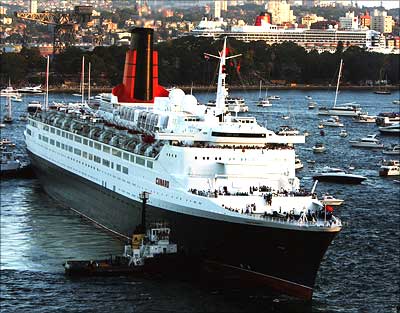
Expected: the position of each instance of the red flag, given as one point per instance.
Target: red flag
(329, 208)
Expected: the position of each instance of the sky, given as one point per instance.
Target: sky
(388, 4)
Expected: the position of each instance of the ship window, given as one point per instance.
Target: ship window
(63, 134)
(84, 154)
(106, 149)
(96, 159)
(195, 157)
(248, 135)
(118, 168)
(85, 141)
(90, 156)
(62, 146)
(132, 158)
(208, 158)
(69, 148)
(116, 153)
(45, 139)
(106, 163)
(70, 136)
(78, 139)
(125, 170)
(57, 144)
(40, 137)
(52, 142)
(126, 156)
(58, 132)
(52, 130)
(29, 132)
(112, 164)
(204, 158)
(77, 151)
(216, 158)
(149, 164)
(90, 143)
(140, 160)
(46, 128)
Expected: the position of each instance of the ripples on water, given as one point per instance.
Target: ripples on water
(360, 272)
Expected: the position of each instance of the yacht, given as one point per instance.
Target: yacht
(337, 175)
(288, 131)
(393, 129)
(387, 118)
(364, 118)
(393, 150)
(343, 133)
(367, 142)
(333, 121)
(331, 200)
(191, 166)
(346, 109)
(8, 91)
(390, 168)
(31, 90)
(318, 148)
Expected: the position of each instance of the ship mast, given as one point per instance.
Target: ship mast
(46, 102)
(338, 80)
(88, 83)
(83, 79)
(222, 91)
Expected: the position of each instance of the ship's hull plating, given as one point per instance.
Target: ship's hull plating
(282, 259)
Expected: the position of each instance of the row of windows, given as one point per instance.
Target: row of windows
(207, 158)
(115, 152)
(84, 154)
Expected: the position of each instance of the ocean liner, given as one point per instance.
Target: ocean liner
(225, 184)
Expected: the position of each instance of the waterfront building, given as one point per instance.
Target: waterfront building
(381, 22)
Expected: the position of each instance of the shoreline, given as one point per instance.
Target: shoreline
(107, 89)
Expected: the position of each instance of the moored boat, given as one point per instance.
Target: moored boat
(392, 150)
(367, 142)
(393, 129)
(318, 148)
(331, 200)
(343, 133)
(333, 121)
(390, 168)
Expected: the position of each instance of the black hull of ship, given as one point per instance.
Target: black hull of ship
(339, 179)
(280, 259)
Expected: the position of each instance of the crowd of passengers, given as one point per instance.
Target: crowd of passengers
(267, 193)
(268, 146)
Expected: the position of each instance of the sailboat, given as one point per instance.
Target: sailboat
(8, 117)
(82, 84)
(263, 102)
(346, 109)
(382, 90)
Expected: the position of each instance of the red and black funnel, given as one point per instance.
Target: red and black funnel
(140, 81)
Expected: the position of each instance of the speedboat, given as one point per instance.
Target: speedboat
(367, 142)
(343, 133)
(393, 129)
(396, 101)
(331, 200)
(390, 168)
(318, 148)
(273, 97)
(308, 97)
(312, 105)
(364, 118)
(298, 164)
(333, 121)
(337, 175)
(393, 150)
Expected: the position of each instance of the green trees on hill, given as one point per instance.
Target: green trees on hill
(182, 62)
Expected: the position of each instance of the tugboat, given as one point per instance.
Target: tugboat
(148, 252)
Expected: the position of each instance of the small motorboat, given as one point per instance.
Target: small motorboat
(34, 106)
(311, 161)
(308, 97)
(367, 142)
(393, 150)
(343, 133)
(331, 200)
(298, 164)
(393, 129)
(318, 148)
(364, 118)
(337, 175)
(312, 105)
(390, 168)
(264, 102)
(285, 117)
(274, 97)
(396, 102)
(16, 98)
(333, 121)
(320, 126)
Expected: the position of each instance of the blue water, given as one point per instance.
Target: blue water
(359, 273)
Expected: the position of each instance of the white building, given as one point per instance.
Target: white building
(33, 6)
(281, 12)
(381, 22)
(350, 21)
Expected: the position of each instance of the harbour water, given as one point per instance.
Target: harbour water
(359, 273)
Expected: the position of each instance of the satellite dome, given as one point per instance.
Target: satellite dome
(176, 96)
(189, 103)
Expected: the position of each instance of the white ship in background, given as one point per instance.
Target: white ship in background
(225, 184)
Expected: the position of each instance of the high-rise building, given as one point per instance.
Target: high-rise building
(381, 22)
(33, 6)
(349, 21)
(365, 20)
(310, 19)
(281, 12)
(217, 9)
